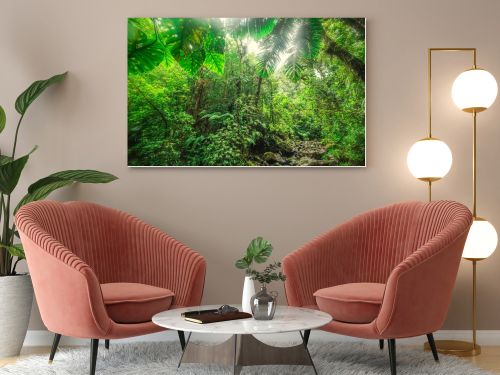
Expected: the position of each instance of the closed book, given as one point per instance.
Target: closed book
(210, 317)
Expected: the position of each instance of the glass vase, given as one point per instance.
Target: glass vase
(263, 304)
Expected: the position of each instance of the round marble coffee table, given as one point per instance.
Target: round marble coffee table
(242, 348)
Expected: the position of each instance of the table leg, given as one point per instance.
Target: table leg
(246, 350)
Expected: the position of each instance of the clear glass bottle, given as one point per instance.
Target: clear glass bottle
(263, 304)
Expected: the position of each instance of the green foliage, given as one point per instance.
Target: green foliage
(269, 274)
(11, 170)
(246, 92)
(15, 250)
(258, 251)
(43, 187)
(29, 95)
(257, 28)
(3, 119)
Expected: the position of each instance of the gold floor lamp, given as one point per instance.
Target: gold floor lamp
(430, 159)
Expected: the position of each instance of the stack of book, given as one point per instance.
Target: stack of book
(213, 316)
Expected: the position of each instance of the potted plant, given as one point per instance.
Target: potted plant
(16, 291)
(257, 251)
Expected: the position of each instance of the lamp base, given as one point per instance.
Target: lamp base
(456, 348)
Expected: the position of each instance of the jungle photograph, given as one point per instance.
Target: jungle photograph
(246, 92)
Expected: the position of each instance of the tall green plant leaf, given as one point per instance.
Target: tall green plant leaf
(43, 187)
(4, 159)
(10, 172)
(3, 119)
(31, 93)
(16, 250)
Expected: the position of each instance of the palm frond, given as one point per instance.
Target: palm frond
(257, 28)
(274, 45)
(306, 45)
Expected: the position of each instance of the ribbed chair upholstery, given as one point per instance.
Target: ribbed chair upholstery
(385, 274)
(82, 255)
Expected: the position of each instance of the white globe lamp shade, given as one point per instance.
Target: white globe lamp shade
(474, 90)
(429, 159)
(481, 241)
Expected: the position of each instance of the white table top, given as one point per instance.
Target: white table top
(286, 319)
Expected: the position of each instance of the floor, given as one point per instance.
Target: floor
(488, 360)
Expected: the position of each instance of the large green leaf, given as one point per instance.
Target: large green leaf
(4, 159)
(16, 250)
(10, 172)
(43, 187)
(242, 263)
(42, 193)
(185, 39)
(214, 50)
(214, 62)
(88, 176)
(184, 35)
(192, 61)
(141, 31)
(145, 58)
(31, 93)
(259, 250)
(3, 119)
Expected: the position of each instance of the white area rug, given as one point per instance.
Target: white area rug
(161, 358)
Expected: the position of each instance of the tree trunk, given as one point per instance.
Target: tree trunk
(271, 106)
(257, 93)
(357, 24)
(356, 65)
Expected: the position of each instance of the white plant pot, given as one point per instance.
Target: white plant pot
(16, 298)
(248, 292)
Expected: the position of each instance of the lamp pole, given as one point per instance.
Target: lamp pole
(429, 97)
(455, 347)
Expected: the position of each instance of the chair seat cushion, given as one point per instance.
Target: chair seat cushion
(351, 303)
(135, 303)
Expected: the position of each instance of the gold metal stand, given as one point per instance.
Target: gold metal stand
(429, 99)
(455, 347)
(463, 348)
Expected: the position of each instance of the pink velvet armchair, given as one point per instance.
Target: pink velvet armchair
(99, 273)
(385, 274)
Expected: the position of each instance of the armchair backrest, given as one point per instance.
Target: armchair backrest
(368, 247)
(386, 236)
(92, 232)
(379, 241)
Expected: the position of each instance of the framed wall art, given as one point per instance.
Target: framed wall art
(246, 92)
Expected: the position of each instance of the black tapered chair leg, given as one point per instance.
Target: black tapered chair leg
(392, 355)
(307, 333)
(94, 346)
(182, 339)
(381, 344)
(106, 344)
(55, 344)
(432, 344)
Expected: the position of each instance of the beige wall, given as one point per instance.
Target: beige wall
(83, 124)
